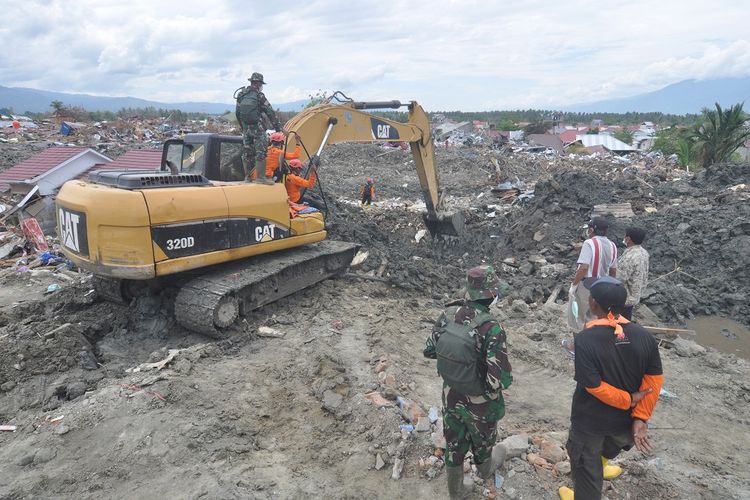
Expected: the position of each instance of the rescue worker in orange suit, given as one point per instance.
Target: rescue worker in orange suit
(295, 182)
(368, 191)
(273, 156)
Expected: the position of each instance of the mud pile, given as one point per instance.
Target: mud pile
(697, 226)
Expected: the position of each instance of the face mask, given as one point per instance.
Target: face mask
(624, 242)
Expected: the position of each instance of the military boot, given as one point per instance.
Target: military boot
(260, 168)
(456, 490)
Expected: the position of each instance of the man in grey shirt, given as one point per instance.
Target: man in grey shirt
(633, 268)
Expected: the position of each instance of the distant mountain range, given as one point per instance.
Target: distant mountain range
(24, 100)
(687, 96)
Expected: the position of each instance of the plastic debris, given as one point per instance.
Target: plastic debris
(53, 288)
(499, 480)
(407, 427)
(665, 393)
(8, 428)
(433, 414)
(265, 331)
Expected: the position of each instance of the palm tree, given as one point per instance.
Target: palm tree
(720, 134)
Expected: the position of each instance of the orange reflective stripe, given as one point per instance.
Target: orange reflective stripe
(611, 395)
(645, 407)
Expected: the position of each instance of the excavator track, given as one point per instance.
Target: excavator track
(213, 301)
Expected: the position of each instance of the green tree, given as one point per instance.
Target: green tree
(685, 152)
(318, 97)
(507, 124)
(720, 134)
(57, 107)
(624, 135)
(668, 140)
(593, 131)
(536, 127)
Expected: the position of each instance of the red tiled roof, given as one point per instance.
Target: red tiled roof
(138, 159)
(40, 163)
(568, 136)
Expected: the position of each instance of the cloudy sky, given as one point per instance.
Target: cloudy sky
(467, 55)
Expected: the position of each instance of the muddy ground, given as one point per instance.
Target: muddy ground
(318, 411)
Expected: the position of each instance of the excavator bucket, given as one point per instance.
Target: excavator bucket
(444, 225)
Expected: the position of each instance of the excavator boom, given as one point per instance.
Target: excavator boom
(330, 123)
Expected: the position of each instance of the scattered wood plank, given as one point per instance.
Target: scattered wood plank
(668, 331)
(618, 210)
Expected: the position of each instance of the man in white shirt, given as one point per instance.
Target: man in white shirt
(598, 258)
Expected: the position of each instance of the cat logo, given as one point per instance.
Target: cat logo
(73, 230)
(383, 130)
(265, 233)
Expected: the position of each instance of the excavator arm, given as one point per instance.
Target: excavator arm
(330, 123)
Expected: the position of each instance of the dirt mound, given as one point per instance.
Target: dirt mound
(339, 401)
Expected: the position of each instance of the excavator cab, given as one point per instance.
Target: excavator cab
(216, 157)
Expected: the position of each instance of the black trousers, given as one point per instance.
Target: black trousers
(586, 451)
(366, 199)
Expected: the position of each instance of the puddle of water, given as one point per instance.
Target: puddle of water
(722, 334)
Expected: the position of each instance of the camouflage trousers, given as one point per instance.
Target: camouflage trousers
(254, 147)
(469, 425)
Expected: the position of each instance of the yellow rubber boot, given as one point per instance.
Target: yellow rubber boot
(610, 471)
(566, 493)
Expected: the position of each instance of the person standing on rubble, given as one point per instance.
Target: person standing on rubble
(598, 257)
(472, 359)
(368, 191)
(632, 268)
(252, 105)
(619, 376)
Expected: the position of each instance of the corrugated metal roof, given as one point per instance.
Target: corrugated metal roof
(40, 164)
(607, 141)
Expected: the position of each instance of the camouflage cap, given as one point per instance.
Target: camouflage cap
(483, 283)
(257, 77)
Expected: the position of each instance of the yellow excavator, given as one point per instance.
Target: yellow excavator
(227, 246)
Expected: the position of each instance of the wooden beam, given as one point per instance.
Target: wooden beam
(668, 331)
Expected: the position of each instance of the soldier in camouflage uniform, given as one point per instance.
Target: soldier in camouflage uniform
(471, 414)
(251, 106)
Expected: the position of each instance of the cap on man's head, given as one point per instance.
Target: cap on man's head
(608, 292)
(599, 223)
(257, 77)
(483, 283)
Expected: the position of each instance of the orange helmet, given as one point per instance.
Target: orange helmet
(277, 137)
(295, 163)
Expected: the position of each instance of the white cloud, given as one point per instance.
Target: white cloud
(448, 55)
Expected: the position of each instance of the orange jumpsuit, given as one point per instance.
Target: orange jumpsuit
(272, 158)
(294, 184)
